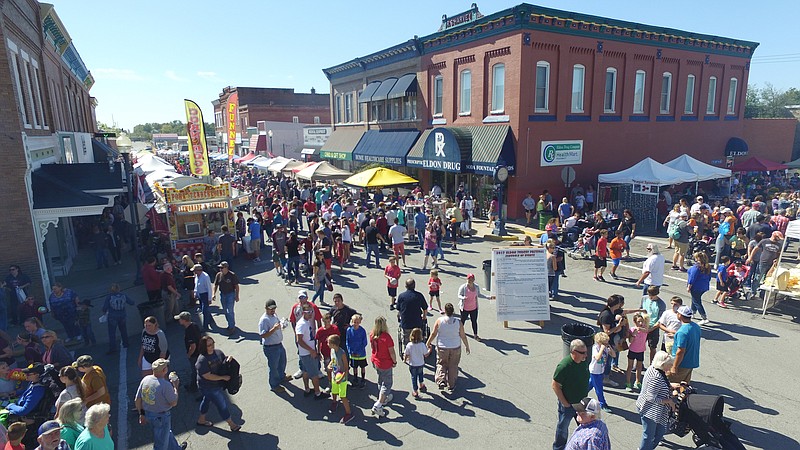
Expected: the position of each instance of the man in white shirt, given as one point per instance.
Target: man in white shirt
(305, 333)
(697, 205)
(669, 323)
(270, 330)
(397, 233)
(652, 269)
(202, 293)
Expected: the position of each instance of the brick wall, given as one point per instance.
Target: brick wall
(771, 139)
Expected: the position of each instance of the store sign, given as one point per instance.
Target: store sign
(243, 200)
(561, 153)
(316, 136)
(645, 187)
(440, 152)
(381, 159)
(343, 156)
(199, 207)
(195, 192)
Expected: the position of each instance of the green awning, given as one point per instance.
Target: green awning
(341, 144)
(492, 145)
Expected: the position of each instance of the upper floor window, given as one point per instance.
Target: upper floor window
(15, 67)
(438, 95)
(610, 91)
(542, 99)
(578, 75)
(732, 96)
(466, 92)
(498, 88)
(712, 95)
(638, 92)
(337, 109)
(688, 107)
(295, 119)
(359, 108)
(316, 120)
(666, 90)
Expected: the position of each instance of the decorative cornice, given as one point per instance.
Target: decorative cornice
(464, 60)
(498, 52)
(581, 50)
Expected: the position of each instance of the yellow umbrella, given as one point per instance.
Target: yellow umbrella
(379, 177)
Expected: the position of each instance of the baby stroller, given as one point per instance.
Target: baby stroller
(702, 244)
(702, 415)
(584, 245)
(737, 273)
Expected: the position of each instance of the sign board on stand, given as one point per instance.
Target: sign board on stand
(568, 175)
(519, 283)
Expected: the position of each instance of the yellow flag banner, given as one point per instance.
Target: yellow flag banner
(198, 150)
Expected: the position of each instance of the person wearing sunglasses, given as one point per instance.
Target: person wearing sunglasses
(570, 384)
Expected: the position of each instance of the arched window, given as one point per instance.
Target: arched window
(578, 75)
(712, 95)
(542, 99)
(732, 91)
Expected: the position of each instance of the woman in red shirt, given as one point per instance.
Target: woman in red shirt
(600, 255)
(384, 359)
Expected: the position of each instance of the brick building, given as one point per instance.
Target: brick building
(499, 89)
(47, 120)
(244, 116)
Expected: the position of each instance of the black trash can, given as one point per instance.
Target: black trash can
(487, 274)
(155, 309)
(575, 330)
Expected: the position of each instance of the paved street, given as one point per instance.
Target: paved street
(503, 398)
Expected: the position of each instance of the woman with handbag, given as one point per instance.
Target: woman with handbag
(320, 279)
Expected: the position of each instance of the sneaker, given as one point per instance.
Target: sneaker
(423, 388)
(722, 304)
(377, 411)
(610, 383)
(704, 322)
(606, 409)
(321, 396)
(628, 387)
(614, 276)
(297, 375)
(389, 398)
(638, 385)
(347, 418)
(714, 301)
(602, 279)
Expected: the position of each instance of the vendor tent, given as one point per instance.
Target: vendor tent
(304, 165)
(703, 171)
(256, 160)
(793, 164)
(648, 171)
(322, 171)
(263, 164)
(150, 163)
(245, 158)
(756, 164)
(379, 177)
(289, 167)
(280, 163)
(218, 156)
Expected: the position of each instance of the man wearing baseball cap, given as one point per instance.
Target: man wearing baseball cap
(154, 398)
(297, 313)
(686, 349)
(228, 284)
(191, 341)
(592, 433)
(770, 250)
(681, 239)
(50, 437)
(270, 331)
(33, 394)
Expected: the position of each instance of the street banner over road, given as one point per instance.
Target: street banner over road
(198, 150)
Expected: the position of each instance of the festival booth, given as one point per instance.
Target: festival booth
(245, 158)
(150, 163)
(756, 164)
(782, 282)
(703, 171)
(637, 188)
(193, 208)
(258, 159)
(280, 163)
(322, 171)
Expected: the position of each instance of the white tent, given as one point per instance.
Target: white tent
(703, 171)
(263, 163)
(322, 171)
(280, 163)
(259, 158)
(151, 163)
(648, 171)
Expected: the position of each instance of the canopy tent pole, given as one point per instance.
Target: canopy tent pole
(773, 289)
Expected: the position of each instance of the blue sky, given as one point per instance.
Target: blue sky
(145, 61)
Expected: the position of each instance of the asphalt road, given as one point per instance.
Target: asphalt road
(503, 398)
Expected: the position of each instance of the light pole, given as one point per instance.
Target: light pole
(124, 145)
(271, 152)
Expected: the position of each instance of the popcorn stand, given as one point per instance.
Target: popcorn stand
(194, 209)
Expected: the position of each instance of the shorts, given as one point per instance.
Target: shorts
(681, 374)
(255, 243)
(392, 291)
(340, 388)
(362, 363)
(310, 366)
(385, 380)
(399, 249)
(433, 294)
(681, 247)
(653, 337)
(636, 356)
(599, 262)
(721, 286)
(530, 211)
(328, 262)
(615, 261)
(430, 252)
(146, 365)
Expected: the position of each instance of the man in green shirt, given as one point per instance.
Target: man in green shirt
(571, 384)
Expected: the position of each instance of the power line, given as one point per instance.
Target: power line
(776, 56)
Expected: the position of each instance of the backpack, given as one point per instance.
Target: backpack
(677, 230)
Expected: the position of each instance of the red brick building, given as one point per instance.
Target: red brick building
(238, 111)
(606, 91)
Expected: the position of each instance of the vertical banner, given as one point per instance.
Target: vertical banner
(232, 107)
(198, 150)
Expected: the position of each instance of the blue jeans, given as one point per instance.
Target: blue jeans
(373, 249)
(697, 303)
(416, 376)
(276, 362)
(115, 322)
(596, 382)
(565, 417)
(88, 334)
(554, 284)
(217, 397)
(421, 237)
(320, 293)
(70, 325)
(228, 301)
(101, 258)
(163, 439)
(293, 267)
(205, 308)
(652, 434)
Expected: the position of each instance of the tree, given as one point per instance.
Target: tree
(770, 102)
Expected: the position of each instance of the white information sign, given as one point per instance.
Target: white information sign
(519, 282)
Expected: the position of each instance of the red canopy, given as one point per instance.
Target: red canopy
(304, 165)
(756, 164)
(245, 158)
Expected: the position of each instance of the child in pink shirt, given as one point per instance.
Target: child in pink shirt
(638, 341)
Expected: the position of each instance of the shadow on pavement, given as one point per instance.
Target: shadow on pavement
(504, 348)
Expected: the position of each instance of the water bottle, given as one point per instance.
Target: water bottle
(173, 377)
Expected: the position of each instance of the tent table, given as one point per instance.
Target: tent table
(773, 296)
